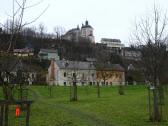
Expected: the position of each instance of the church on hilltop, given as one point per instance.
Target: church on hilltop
(85, 32)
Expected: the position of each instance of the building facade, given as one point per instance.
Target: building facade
(110, 75)
(23, 52)
(85, 32)
(66, 72)
(83, 73)
(131, 54)
(113, 45)
(48, 54)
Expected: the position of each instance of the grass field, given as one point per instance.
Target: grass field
(111, 109)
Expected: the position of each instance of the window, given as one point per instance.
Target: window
(64, 74)
(84, 32)
(83, 76)
(91, 33)
(64, 83)
(74, 75)
(106, 83)
(82, 83)
(90, 83)
(111, 83)
(92, 74)
(102, 83)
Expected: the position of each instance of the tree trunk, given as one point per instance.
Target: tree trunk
(149, 100)
(6, 114)
(157, 116)
(7, 91)
(121, 90)
(104, 81)
(98, 90)
(74, 92)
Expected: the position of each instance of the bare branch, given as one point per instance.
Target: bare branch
(27, 23)
(34, 4)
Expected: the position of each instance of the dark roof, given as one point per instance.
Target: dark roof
(25, 50)
(78, 65)
(111, 40)
(71, 30)
(86, 26)
(48, 51)
(75, 65)
(110, 67)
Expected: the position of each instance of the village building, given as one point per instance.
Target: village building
(110, 74)
(21, 72)
(131, 54)
(113, 45)
(23, 52)
(48, 54)
(63, 72)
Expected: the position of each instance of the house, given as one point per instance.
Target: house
(48, 54)
(23, 52)
(63, 72)
(110, 74)
(85, 32)
(19, 72)
(131, 54)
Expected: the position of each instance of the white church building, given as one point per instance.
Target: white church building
(85, 32)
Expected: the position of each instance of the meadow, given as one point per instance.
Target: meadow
(111, 109)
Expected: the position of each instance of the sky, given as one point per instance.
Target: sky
(109, 18)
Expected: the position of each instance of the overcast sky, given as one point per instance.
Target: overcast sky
(109, 18)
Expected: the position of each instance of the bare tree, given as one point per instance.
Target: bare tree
(42, 30)
(59, 31)
(102, 59)
(151, 40)
(17, 22)
(73, 79)
(14, 28)
(29, 32)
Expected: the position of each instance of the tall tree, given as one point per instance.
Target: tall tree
(151, 39)
(17, 23)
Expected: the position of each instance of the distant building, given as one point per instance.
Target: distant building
(62, 73)
(27, 71)
(131, 54)
(48, 54)
(85, 32)
(114, 45)
(111, 74)
(23, 52)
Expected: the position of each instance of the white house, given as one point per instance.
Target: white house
(48, 54)
(63, 72)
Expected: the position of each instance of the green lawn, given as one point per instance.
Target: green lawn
(111, 109)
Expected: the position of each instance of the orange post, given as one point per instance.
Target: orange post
(18, 111)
